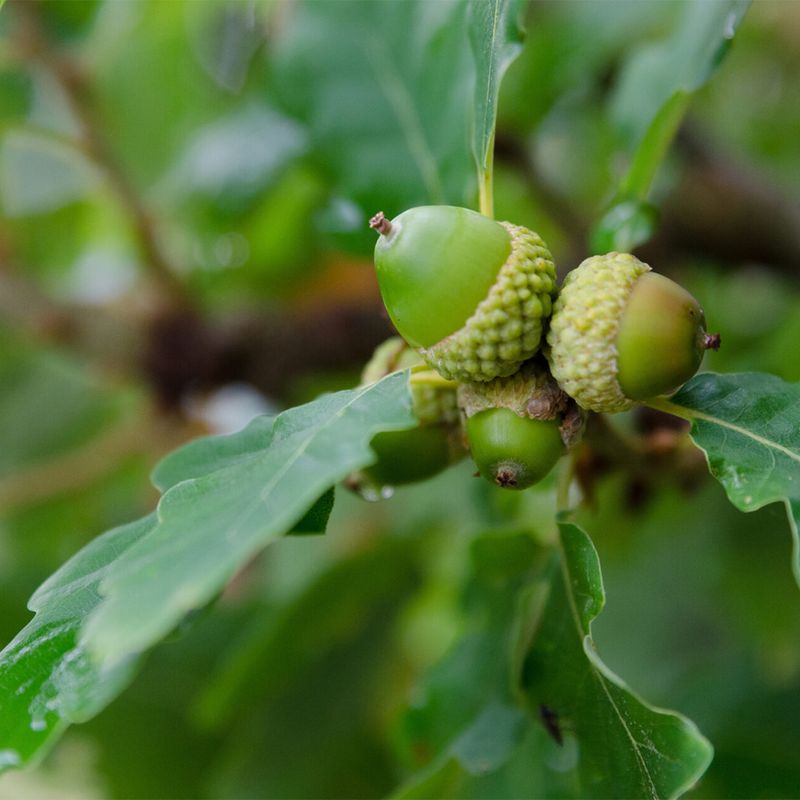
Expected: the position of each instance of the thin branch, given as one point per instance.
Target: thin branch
(729, 210)
(140, 434)
(34, 42)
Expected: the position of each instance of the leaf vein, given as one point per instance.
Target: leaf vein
(600, 679)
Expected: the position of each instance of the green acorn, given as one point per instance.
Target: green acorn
(471, 294)
(519, 427)
(418, 453)
(621, 333)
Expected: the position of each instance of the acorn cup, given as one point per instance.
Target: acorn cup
(417, 453)
(519, 427)
(621, 333)
(471, 294)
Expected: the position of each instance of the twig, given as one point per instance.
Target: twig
(82, 466)
(34, 42)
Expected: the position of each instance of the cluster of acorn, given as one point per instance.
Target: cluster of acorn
(513, 362)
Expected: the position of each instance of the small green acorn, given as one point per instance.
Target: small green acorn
(621, 333)
(519, 427)
(418, 453)
(471, 294)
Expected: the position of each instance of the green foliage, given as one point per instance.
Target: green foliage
(400, 113)
(212, 523)
(469, 721)
(496, 39)
(184, 190)
(34, 428)
(748, 426)
(47, 677)
(625, 747)
(648, 106)
(241, 491)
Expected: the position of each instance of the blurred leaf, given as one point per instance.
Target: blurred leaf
(482, 747)
(16, 88)
(496, 38)
(328, 611)
(466, 723)
(162, 753)
(277, 230)
(146, 77)
(624, 227)
(231, 159)
(653, 147)
(211, 525)
(49, 404)
(626, 748)
(654, 91)
(255, 494)
(40, 173)
(683, 62)
(385, 91)
(317, 678)
(551, 67)
(227, 36)
(47, 678)
(749, 426)
(69, 20)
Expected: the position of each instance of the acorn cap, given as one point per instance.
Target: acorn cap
(529, 392)
(621, 333)
(418, 453)
(432, 405)
(471, 293)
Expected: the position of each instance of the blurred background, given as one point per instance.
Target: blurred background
(184, 188)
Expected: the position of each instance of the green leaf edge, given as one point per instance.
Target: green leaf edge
(691, 415)
(604, 673)
(126, 665)
(97, 632)
(509, 33)
(654, 144)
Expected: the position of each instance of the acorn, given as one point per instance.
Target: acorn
(471, 294)
(417, 453)
(519, 427)
(621, 333)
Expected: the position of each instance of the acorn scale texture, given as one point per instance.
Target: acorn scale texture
(506, 327)
(433, 405)
(581, 340)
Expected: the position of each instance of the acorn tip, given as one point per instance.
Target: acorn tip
(711, 341)
(380, 224)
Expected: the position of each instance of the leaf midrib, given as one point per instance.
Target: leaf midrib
(487, 114)
(600, 678)
(691, 414)
(407, 113)
(188, 600)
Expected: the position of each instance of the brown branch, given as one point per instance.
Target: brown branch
(658, 452)
(140, 434)
(109, 337)
(33, 41)
(728, 210)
